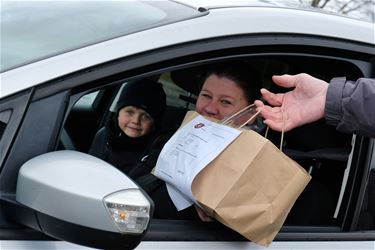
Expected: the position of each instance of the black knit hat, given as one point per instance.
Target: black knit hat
(145, 94)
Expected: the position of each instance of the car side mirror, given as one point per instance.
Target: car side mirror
(79, 198)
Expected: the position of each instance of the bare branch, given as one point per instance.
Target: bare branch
(315, 3)
(344, 6)
(324, 4)
(364, 9)
(357, 7)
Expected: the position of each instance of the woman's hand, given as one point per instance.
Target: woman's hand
(202, 214)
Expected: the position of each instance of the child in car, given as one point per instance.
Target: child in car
(123, 140)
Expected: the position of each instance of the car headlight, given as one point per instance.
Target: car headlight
(129, 210)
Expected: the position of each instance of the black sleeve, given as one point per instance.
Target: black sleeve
(349, 106)
(156, 188)
(150, 157)
(146, 164)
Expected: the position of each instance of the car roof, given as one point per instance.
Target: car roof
(289, 4)
(215, 23)
(209, 4)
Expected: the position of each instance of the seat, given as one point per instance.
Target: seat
(173, 117)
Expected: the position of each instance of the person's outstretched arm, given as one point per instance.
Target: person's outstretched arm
(345, 104)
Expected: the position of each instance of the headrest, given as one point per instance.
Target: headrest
(189, 79)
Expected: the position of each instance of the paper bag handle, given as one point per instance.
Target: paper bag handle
(282, 131)
(226, 121)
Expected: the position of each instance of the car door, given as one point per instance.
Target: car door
(34, 122)
(351, 173)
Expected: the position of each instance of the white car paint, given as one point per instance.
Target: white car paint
(249, 20)
(187, 245)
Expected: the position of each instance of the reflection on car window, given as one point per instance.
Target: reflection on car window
(87, 100)
(34, 30)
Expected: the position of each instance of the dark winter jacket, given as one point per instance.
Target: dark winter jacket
(156, 188)
(350, 106)
(137, 159)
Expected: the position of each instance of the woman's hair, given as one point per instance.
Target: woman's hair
(243, 74)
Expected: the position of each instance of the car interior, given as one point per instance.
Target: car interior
(319, 148)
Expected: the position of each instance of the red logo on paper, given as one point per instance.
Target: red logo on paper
(199, 125)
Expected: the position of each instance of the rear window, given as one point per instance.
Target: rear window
(34, 30)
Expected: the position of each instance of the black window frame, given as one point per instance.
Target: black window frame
(17, 105)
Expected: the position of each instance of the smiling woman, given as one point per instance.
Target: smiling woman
(32, 31)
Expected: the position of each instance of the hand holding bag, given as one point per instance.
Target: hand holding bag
(250, 187)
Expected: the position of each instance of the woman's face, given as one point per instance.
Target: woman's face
(220, 97)
(135, 122)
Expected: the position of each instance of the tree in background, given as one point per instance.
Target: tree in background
(362, 9)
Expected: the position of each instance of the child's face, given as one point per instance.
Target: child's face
(135, 122)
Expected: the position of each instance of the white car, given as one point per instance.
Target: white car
(62, 65)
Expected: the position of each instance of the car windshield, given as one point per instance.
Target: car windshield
(34, 30)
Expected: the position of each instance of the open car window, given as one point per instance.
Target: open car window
(325, 153)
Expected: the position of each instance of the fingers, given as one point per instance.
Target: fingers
(274, 125)
(286, 81)
(202, 214)
(279, 125)
(259, 104)
(271, 98)
(271, 113)
(273, 117)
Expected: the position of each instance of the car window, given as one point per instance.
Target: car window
(48, 27)
(77, 133)
(317, 147)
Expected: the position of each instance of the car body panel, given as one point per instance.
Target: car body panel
(347, 245)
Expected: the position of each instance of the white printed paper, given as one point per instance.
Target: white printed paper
(180, 200)
(188, 151)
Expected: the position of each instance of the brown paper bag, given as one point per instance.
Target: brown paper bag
(250, 187)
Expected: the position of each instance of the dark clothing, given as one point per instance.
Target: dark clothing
(156, 188)
(115, 147)
(350, 106)
(137, 159)
(150, 157)
(164, 207)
